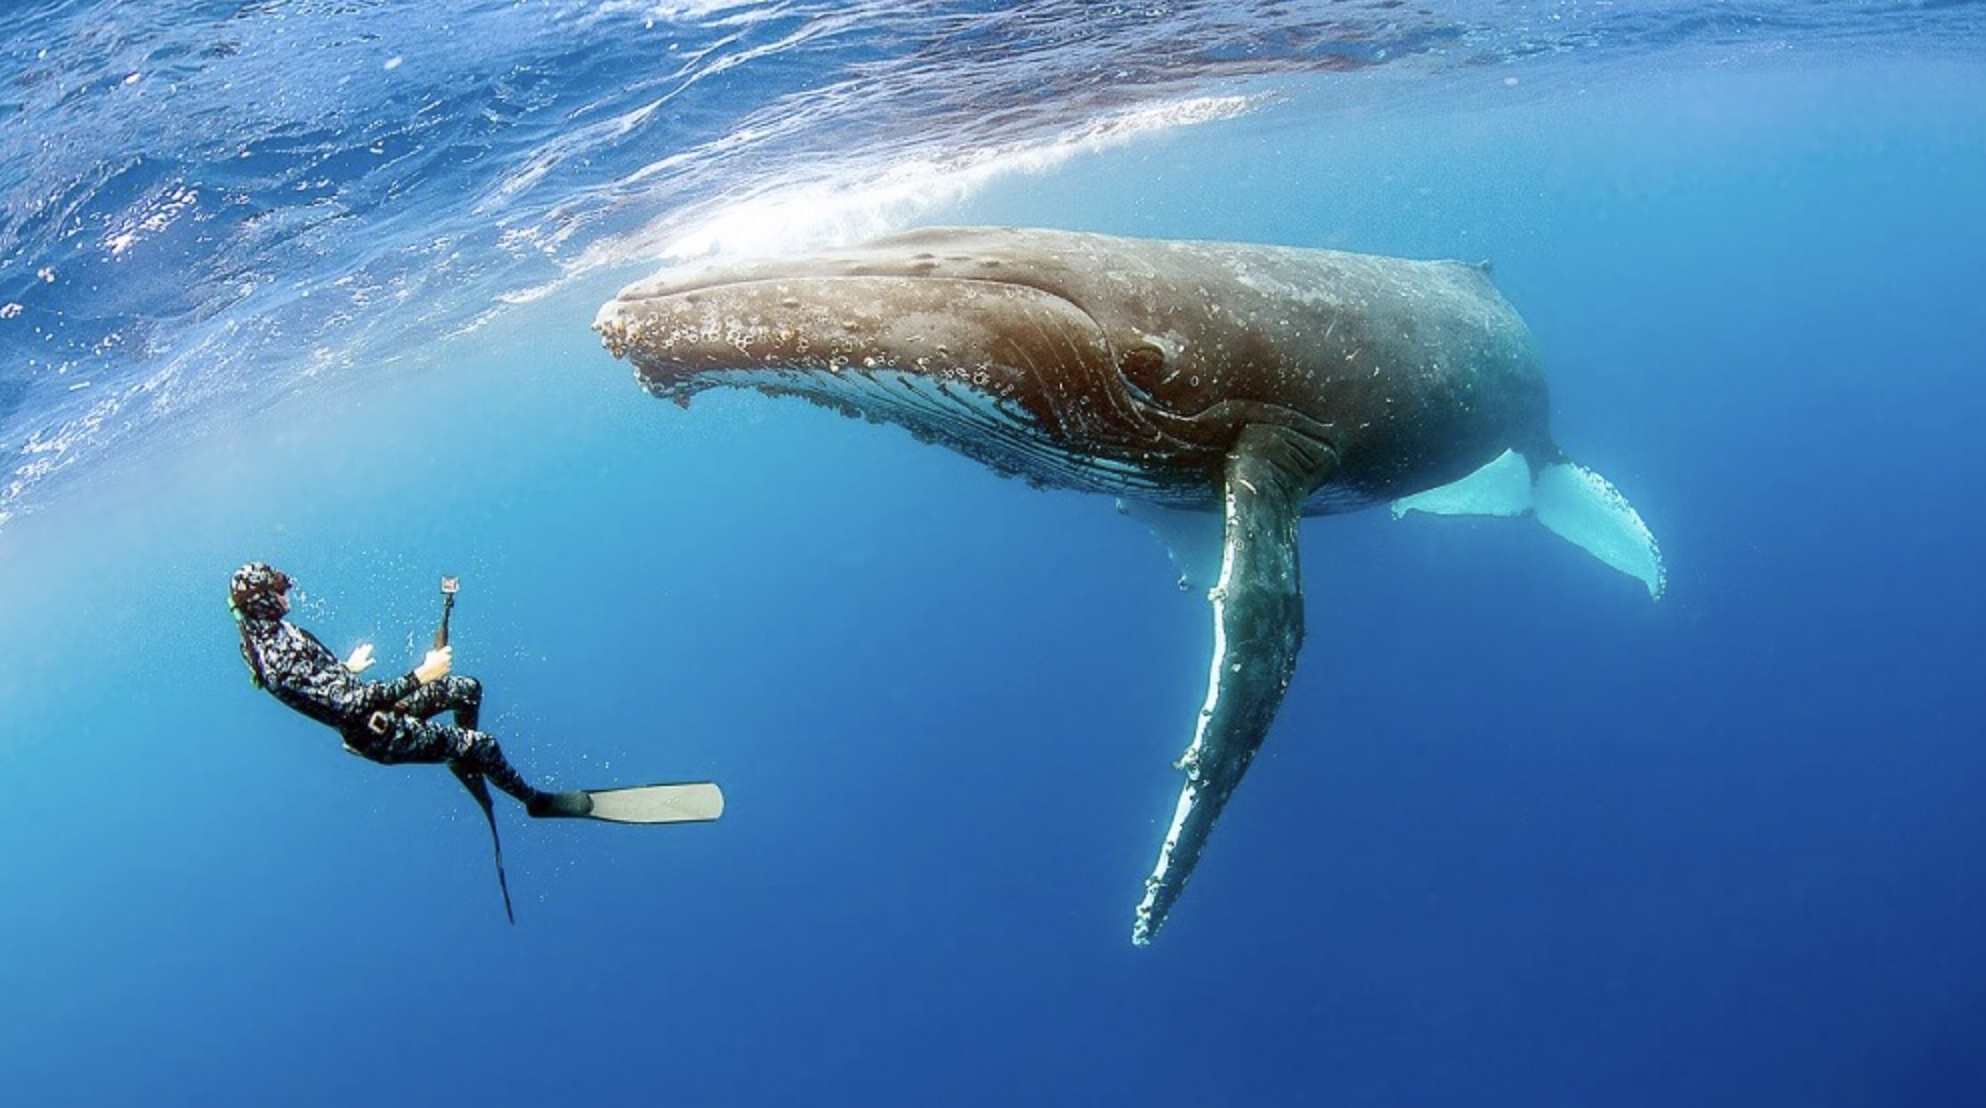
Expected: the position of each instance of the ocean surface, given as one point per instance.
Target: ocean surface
(311, 281)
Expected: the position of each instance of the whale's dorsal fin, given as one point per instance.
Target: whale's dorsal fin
(1258, 627)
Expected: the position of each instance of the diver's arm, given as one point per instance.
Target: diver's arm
(437, 664)
(375, 695)
(303, 673)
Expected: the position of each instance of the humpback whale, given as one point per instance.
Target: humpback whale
(1262, 383)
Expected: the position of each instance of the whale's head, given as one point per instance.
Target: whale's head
(1089, 362)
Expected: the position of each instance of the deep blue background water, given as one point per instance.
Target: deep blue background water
(1520, 836)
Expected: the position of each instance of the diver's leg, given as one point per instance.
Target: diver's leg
(482, 754)
(463, 694)
(470, 754)
(404, 739)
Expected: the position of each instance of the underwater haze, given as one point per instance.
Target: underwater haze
(311, 281)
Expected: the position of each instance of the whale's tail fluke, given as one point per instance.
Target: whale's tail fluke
(1573, 502)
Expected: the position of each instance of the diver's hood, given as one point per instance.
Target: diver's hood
(257, 591)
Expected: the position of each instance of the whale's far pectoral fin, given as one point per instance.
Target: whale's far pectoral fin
(1192, 539)
(1258, 626)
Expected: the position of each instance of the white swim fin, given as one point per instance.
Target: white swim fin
(692, 802)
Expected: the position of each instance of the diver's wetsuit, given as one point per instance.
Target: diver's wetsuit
(388, 722)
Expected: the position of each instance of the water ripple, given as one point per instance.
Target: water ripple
(202, 203)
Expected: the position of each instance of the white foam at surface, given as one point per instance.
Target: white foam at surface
(1580, 506)
(865, 201)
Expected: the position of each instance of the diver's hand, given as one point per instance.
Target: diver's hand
(361, 658)
(437, 665)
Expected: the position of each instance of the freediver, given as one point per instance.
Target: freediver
(389, 722)
(392, 722)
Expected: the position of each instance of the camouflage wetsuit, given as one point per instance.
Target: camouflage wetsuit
(389, 722)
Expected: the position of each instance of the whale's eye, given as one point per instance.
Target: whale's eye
(1144, 369)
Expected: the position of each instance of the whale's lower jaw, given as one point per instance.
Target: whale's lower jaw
(988, 428)
(1017, 378)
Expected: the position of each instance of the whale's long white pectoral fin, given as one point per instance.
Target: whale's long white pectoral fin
(1258, 628)
(1581, 507)
(1501, 488)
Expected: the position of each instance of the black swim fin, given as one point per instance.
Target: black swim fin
(473, 781)
(572, 805)
(692, 802)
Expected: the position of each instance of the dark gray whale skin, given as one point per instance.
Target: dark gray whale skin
(1262, 382)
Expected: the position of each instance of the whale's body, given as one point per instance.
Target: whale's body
(1261, 382)
(1114, 365)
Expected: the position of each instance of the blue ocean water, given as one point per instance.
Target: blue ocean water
(310, 281)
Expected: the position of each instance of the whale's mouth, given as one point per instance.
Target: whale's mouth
(991, 337)
(1015, 376)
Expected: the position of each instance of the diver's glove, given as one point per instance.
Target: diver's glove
(361, 659)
